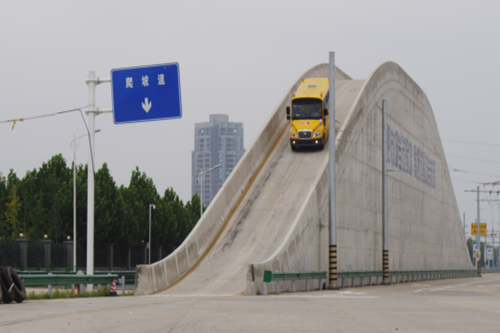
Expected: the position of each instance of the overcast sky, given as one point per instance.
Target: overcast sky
(239, 58)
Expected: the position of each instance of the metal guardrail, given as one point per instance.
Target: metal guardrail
(291, 276)
(377, 275)
(129, 275)
(70, 279)
(54, 279)
(401, 275)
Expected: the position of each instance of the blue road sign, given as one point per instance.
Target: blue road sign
(146, 93)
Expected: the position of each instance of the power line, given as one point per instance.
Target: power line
(473, 159)
(474, 173)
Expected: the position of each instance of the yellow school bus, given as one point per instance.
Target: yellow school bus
(309, 114)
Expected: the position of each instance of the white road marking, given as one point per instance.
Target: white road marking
(455, 285)
(345, 294)
(351, 293)
(193, 295)
(325, 296)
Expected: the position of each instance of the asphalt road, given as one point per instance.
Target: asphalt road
(455, 305)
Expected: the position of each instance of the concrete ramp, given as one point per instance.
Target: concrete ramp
(272, 212)
(248, 218)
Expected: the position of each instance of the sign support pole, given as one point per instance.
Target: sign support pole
(91, 113)
(332, 260)
(92, 81)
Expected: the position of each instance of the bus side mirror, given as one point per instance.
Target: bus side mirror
(325, 111)
(288, 113)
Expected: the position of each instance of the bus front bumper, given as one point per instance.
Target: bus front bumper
(307, 142)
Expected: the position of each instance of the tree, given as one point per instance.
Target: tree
(109, 207)
(137, 196)
(54, 179)
(38, 217)
(12, 212)
(121, 213)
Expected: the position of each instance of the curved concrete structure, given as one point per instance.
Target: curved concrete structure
(425, 230)
(272, 212)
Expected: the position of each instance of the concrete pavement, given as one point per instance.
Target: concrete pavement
(455, 305)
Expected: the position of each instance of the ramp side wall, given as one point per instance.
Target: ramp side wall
(425, 230)
(160, 275)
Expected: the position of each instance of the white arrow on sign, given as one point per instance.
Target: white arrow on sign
(146, 105)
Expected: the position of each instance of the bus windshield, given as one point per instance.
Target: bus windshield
(306, 108)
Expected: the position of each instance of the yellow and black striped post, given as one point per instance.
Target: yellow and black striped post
(332, 255)
(332, 276)
(385, 267)
(385, 219)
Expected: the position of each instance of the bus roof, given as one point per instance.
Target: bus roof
(313, 88)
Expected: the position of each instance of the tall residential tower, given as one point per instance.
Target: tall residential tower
(215, 142)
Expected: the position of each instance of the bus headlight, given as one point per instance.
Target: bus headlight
(293, 135)
(317, 134)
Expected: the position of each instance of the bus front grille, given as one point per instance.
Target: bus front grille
(305, 134)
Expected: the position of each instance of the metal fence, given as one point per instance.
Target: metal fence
(137, 256)
(36, 255)
(101, 256)
(9, 253)
(120, 257)
(58, 255)
(45, 254)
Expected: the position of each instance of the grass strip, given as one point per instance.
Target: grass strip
(67, 293)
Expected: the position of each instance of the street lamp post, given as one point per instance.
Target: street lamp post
(200, 180)
(149, 244)
(73, 146)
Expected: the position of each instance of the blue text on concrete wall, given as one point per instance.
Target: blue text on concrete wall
(410, 158)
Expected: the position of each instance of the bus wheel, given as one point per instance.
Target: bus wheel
(294, 148)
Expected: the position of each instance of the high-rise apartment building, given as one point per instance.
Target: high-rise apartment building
(215, 142)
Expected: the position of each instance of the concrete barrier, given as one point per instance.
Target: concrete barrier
(425, 231)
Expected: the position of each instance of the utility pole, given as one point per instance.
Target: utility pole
(92, 81)
(492, 262)
(385, 227)
(485, 252)
(74, 147)
(478, 233)
(332, 257)
(478, 228)
(91, 113)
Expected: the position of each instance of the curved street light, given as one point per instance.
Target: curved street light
(200, 180)
(73, 145)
